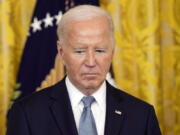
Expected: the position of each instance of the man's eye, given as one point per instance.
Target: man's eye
(79, 51)
(100, 51)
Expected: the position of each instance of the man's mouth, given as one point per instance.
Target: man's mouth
(90, 74)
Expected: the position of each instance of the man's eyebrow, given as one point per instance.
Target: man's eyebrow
(80, 47)
(101, 47)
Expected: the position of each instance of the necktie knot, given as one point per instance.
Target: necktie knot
(87, 101)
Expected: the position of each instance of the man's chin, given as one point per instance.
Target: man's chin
(92, 85)
(91, 78)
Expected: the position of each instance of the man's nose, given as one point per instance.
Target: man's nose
(90, 59)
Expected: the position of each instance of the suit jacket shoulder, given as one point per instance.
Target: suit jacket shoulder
(128, 115)
(43, 113)
(39, 97)
(128, 99)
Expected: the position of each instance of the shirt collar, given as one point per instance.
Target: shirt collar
(75, 95)
(100, 96)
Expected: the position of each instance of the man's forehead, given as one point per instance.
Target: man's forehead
(100, 22)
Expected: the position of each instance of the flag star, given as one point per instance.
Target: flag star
(58, 17)
(48, 20)
(36, 25)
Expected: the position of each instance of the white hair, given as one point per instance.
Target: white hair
(83, 12)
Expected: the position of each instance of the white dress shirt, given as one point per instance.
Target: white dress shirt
(98, 108)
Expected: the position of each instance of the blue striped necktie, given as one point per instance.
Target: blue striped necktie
(87, 125)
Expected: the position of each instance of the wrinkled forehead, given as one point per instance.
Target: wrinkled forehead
(93, 33)
(95, 25)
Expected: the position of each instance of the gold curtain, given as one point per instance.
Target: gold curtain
(15, 17)
(147, 57)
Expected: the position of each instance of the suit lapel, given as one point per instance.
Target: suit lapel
(61, 109)
(114, 112)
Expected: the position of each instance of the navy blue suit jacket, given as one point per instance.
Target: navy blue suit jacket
(49, 112)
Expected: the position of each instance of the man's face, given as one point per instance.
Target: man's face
(87, 52)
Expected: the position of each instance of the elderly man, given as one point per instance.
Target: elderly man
(83, 103)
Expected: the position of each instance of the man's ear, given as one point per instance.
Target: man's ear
(60, 51)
